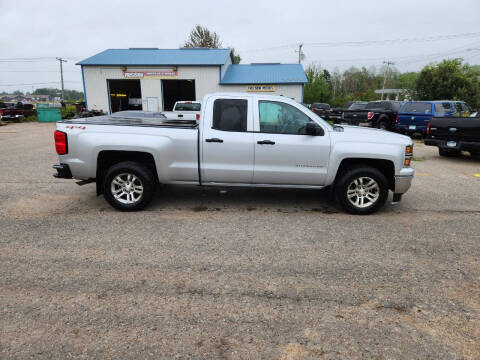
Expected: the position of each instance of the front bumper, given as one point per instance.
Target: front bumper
(63, 171)
(403, 181)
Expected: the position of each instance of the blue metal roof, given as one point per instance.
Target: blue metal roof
(264, 74)
(149, 56)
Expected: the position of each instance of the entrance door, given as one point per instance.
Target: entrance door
(284, 154)
(152, 104)
(227, 146)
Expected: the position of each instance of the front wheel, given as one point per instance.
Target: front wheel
(362, 190)
(128, 186)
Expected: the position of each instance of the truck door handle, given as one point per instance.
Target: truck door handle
(214, 140)
(266, 142)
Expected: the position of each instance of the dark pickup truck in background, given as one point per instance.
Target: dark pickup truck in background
(322, 110)
(454, 134)
(380, 114)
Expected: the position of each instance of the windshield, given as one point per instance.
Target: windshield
(188, 107)
(417, 107)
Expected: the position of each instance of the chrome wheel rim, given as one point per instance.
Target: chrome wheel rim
(127, 188)
(363, 192)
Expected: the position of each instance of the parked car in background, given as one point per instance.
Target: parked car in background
(414, 116)
(184, 110)
(321, 109)
(453, 134)
(13, 112)
(378, 114)
(280, 144)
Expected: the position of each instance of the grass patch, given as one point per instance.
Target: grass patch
(414, 158)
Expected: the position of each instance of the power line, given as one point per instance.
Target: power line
(375, 42)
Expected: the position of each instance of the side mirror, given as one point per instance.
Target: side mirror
(313, 129)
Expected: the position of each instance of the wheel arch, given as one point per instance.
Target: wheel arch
(386, 167)
(108, 158)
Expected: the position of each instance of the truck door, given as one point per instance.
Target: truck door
(226, 141)
(284, 154)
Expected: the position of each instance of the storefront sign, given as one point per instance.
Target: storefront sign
(260, 88)
(171, 73)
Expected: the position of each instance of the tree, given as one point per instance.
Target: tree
(202, 37)
(317, 88)
(236, 57)
(450, 79)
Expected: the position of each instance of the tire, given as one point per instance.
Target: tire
(446, 152)
(353, 185)
(382, 124)
(128, 186)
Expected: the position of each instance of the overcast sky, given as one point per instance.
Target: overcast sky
(334, 32)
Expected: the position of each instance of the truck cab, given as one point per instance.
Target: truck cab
(414, 116)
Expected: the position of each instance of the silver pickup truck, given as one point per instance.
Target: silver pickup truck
(241, 140)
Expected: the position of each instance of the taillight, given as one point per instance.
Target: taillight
(61, 144)
(1, 112)
(198, 117)
(396, 119)
(370, 115)
(428, 126)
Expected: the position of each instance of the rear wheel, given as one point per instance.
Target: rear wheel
(128, 186)
(448, 152)
(362, 190)
(382, 124)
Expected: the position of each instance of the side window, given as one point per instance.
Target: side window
(281, 118)
(458, 109)
(230, 115)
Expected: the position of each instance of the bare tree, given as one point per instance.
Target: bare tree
(202, 37)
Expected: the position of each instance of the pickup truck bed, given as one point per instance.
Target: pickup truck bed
(117, 121)
(454, 134)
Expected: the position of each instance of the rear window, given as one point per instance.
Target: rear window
(230, 115)
(443, 108)
(188, 107)
(417, 107)
(375, 105)
(357, 106)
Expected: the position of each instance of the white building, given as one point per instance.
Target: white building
(153, 79)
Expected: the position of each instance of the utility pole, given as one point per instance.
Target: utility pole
(300, 53)
(388, 63)
(61, 75)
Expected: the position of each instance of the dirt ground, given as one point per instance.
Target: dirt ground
(235, 274)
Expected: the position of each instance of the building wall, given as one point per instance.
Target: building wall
(206, 81)
(294, 91)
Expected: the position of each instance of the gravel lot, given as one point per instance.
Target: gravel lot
(242, 274)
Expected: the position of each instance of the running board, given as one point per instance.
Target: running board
(84, 182)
